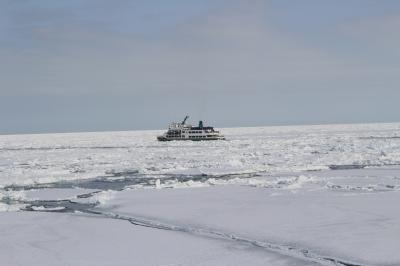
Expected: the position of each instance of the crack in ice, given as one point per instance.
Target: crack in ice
(70, 206)
(291, 251)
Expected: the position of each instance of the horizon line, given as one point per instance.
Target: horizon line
(228, 127)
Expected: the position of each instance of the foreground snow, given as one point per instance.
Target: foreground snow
(60, 239)
(319, 195)
(358, 228)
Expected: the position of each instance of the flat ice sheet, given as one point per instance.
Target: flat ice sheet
(353, 227)
(63, 239)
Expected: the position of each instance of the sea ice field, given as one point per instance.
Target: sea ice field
(292, 195)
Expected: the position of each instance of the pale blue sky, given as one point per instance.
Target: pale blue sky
(94, 65)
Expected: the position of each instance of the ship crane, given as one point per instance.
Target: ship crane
(184, 120)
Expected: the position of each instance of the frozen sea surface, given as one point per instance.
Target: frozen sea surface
(301, 195)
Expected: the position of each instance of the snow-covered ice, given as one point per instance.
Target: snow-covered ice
(59, 239)
(300, 195)
(352, 227)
